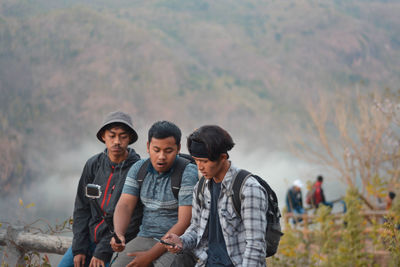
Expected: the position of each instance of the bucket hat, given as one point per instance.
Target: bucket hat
(121, 117)
(298, 183)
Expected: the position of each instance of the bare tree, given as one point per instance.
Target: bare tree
(357, 137)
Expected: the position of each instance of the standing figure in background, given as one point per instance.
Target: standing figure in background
(316, 195)
(294, 200)
(388, 201)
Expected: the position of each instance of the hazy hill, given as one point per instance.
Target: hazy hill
(246, 65)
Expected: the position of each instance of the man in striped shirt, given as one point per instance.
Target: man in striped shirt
(219, 236)
(162, 212)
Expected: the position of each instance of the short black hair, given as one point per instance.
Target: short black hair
(217, 140)
(320, 178)
(392, 195)
(164, 129)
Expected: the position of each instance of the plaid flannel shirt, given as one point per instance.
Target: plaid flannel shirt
(244, 237)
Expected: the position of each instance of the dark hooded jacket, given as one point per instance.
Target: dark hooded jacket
(88, 225)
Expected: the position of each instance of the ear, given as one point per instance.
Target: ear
(223, 156)
(148, 147)
(103, 136)
(179, 148)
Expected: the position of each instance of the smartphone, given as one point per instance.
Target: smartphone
(163, 242)
(117, 240)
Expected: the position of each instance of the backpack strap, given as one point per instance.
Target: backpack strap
(236, 188)
(200, 191)
(142, 172)
(176, 176)
(188, 157)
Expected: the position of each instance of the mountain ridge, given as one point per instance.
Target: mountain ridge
(248, 66)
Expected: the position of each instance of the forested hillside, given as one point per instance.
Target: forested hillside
(247, 65)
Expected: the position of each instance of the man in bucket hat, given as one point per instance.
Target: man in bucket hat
(91, 241)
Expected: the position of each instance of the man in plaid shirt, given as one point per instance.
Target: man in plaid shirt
(217, 235)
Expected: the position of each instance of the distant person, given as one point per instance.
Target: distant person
(386, 206)
(91, 240)
(219, 236)
(163, 213)
(388, 201)
(294, 199)
(316, 195)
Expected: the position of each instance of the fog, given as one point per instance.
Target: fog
(54, 193)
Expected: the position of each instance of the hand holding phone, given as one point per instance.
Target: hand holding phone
(117, 240)
(163, 242)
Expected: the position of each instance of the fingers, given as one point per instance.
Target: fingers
(79, 260)
(132, 263)
(174, 249)
(168, 236)
(174, 239)
(117, 247)
(132, 254)
(95, 262)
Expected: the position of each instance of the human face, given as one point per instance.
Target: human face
(117, 141)
(162, 153)
(213, 169)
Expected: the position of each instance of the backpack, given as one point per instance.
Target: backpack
(273, 231)
(176, 177)
(310, 200)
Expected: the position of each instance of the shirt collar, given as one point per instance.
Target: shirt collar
(232, 171)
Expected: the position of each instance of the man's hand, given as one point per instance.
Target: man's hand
(174, 239)
(95, 262)
(141, 259)
(79, 260)
(118, 247)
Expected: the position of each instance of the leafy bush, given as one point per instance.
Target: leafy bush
(348, 239)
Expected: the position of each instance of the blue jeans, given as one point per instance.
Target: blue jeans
(327, 203)
(298, 212)
(68, 258)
